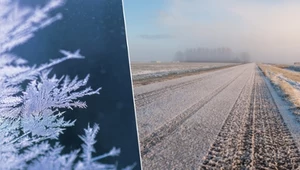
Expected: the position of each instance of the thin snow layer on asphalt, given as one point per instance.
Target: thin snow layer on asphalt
(289, 118)
(254, 136)
(149, 70)
(185, 148)
(173, 82)
(155, 109)
(179, 119)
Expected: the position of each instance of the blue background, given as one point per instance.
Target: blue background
(97, 28)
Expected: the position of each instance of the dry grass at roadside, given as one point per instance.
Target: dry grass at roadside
(289, 92)
(282, 65)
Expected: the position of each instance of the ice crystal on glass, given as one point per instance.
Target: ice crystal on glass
(32, 103)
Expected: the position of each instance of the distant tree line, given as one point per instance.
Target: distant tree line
(211, 55)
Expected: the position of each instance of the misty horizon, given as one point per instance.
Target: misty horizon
(267, 30)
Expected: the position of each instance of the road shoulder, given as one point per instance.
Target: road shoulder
(289, 118)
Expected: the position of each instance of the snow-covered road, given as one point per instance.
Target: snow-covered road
(179, 119)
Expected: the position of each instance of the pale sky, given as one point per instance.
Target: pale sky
(269, 30)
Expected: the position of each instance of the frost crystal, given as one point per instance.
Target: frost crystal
(32, 102)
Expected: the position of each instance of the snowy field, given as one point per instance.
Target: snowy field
(286, 80)
(294, 68)
(149, 70)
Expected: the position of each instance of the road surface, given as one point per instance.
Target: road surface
(222, 119)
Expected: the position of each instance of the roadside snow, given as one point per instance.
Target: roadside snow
(289, 118)
(293, 68)
(294, 84)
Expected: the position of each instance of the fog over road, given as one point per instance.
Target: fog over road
(212, 120)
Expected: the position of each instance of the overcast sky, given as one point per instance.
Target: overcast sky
(269, 30)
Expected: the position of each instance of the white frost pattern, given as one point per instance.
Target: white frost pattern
(31, 102)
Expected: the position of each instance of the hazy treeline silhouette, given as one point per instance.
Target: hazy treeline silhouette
(211, 55)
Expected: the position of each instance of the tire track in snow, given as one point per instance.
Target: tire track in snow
(158, 135)
(148, 97)
(229, 135)
(254, 135)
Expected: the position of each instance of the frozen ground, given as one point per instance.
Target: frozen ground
(294, 84)
(150, 70)
(294, 68)
(291, 119)
(225, 118)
